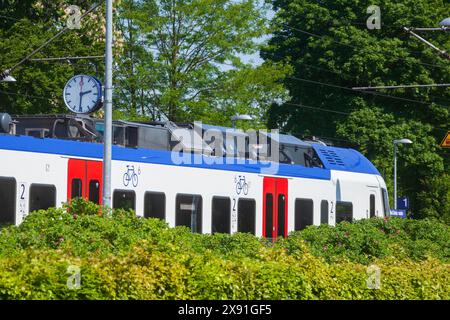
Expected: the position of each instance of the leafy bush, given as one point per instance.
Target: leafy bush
(125, 257)
(365, 240)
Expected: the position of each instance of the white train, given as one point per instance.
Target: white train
(38, 173)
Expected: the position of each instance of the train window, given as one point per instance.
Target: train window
(119, 135)
(77, 189)
(124, 199)
(324, 212)
(131, 137)
(94, 191)
(304, 209)
(42, 196)
(246, 215)
(8, 200)
(372, 205)
(221, 215)
(189, 211)
(269, 215)
(281, 215)
(155, 205)
(59, 129)
(344, 211)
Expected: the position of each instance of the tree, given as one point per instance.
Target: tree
(332, 50)
(134, 70)
(434, 200)
(24, 26)
(373, 132)
(181, 60)
(329, 42)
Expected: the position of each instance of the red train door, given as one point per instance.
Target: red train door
(84, 179)
(275, 207)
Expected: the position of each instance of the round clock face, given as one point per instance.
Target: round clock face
(83, 94)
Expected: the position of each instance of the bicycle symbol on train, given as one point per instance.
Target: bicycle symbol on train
(132, 176)
(241, 185)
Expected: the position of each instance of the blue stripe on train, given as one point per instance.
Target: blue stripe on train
(95, 150)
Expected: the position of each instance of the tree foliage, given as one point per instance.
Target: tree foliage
(373, 132)
(184, 60)
(24, 26)
(177, 60)
(332, 50)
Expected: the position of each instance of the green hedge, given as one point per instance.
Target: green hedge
(365, 240)
(125, 257)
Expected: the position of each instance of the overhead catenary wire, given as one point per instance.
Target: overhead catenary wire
(348, 77)
(285, 103)
(316, 108)
(344, 88)
(434, 85)
(382, 87)
(329, 110)
(300, 30)
(60, 33)
(26, 95)
(57, 59)
(347, 44)
(358, 48)
(362, 91)
(332, 111)
(304, 136)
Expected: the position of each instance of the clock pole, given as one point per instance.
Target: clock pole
(107, 137)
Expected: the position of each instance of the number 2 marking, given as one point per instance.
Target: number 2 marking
(22, 193)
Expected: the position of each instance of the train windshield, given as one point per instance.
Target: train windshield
(386, 208)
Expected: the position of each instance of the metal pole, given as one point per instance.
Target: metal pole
(431, 29)
(395, 176)
(107, 135)
(442, 52)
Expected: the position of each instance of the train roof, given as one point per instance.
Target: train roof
(280, 138)
(333, 158)
(286, 139)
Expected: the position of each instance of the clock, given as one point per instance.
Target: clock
(83, 94)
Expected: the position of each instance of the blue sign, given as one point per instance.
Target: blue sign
(399, 213)
(403, 203)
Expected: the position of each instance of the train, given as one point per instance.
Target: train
(203, 194)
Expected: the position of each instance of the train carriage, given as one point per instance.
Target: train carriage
(204, 194)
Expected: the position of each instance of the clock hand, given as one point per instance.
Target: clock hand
(81, 99)
(85, 92)
(80, 109)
